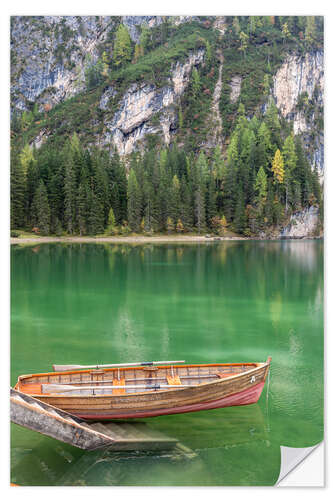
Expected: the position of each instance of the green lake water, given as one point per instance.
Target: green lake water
(211, 302)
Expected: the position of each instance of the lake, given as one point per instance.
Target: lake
(230, 301)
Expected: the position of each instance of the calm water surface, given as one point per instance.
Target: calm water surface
(205, 303)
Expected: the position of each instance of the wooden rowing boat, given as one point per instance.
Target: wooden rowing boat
(147, 391)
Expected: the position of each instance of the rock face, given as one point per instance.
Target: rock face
(302, 79)
(50, 54)
(298, 75)
(133, 24)
(140, 104)
(302, 224)
(235, 85)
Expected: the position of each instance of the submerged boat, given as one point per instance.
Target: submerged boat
(124, 391)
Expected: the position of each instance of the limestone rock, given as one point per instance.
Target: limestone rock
(303, 75)
(302, 224)
(140, 103)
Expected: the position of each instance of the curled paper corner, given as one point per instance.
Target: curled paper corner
(292, 457)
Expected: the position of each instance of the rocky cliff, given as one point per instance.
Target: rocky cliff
(304, 223)
(298, 90)
(140, 104)
(49, 55)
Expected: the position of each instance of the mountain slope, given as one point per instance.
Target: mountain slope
(133, 83)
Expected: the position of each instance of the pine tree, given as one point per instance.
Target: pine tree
(199, 208)
(232, 152)
(244, 38)
(70, 196)
(96, 215)
(111, 222)
(290, 162)
(122, 49)
(230, 193)
(133, 202)
(273, 123)
(174, 201)
(145, 39)
(186, 211)
(285, 32)
(239, 221)
(138, 52)
(264, 150)
(17, 193)
(261, 187)
(82, 208)
(26, 157)
(278, 167)
(211, 210)
(41, 209)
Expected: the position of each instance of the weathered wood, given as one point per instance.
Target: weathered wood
(26, 411)
(38, 416)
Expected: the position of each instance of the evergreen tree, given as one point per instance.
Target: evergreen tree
(199, 207)
(70, 196)
(244, 38)
(278, 167)
(186, 211)
(239, 221)
(17, 193)
(83, 208)
(41, 209)
(211, 211)
(96, 215)
(174, 202)
(133, 202)
(145, 39)
(111, 222)
(261, 187)
(264, 150)
(273, 123)
(290, 161)
(26, 157)
(122, 49)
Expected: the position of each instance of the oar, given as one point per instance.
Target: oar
(53, 388)
(64, 368)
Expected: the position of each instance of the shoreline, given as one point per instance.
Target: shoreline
(123, 239)
(142, 239)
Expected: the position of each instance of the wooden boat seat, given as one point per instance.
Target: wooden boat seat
(173, 380)
(224, 375)
(120, 382)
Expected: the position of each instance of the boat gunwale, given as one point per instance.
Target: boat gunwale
(158, 391)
